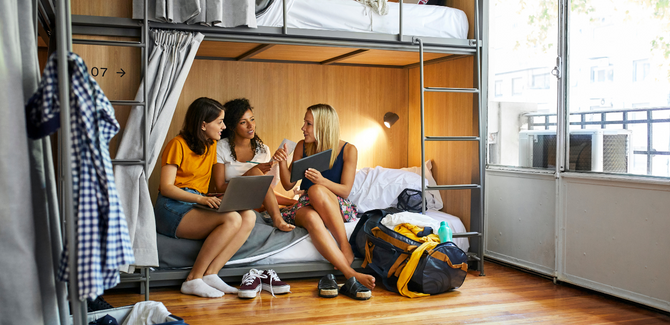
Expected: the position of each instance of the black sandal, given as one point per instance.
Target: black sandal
(328, 286)
(355, 289)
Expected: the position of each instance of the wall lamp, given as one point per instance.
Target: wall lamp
(390, 118)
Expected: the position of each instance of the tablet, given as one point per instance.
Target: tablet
(319, 161)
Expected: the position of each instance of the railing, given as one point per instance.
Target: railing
(609, 119)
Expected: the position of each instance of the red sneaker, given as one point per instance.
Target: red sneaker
(273, 284)
(251, 284)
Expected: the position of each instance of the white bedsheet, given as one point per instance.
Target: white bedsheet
(352, 16)
(304, 251)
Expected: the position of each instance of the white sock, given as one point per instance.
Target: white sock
(199, 288)
(214, 281)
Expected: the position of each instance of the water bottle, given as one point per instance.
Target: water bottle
(444, 232)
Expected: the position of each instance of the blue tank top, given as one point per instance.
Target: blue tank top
(334, 174)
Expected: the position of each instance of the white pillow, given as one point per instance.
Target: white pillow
(378, 188)
(437, 203)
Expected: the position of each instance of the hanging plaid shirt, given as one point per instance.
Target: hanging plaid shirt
(103, 243)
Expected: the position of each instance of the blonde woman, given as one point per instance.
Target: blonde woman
(324, 205)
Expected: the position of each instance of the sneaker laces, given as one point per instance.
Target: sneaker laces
(251, 276)
(273, 277)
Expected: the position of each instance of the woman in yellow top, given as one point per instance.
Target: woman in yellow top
(186, 172)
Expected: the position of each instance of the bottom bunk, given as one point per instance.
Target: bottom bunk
(292, 254)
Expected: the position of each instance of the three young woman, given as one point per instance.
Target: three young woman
(187, 163)
(190, 159)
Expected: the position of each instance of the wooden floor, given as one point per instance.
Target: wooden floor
(504, 295)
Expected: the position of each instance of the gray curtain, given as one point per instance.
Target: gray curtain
(169, 63)
(29, 215)
(222, 13)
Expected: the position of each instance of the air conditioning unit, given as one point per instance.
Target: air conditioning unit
(602, 150)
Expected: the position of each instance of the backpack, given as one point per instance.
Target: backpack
(410, 200)
(441, 268)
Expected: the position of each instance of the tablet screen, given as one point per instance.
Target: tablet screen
(319, 161)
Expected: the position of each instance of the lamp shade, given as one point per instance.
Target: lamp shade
(390, 118)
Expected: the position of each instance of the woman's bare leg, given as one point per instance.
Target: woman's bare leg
(238, 239)
(223, 233)
(308, 218)
(327, 206)
(271, 206)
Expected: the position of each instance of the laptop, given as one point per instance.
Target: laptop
(243, 193)
(319, 161)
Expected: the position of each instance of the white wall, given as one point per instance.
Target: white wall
(614, 237)
(520, 230)
(612, 234)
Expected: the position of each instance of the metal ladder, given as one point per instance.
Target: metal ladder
(144, 275)
(479, 255)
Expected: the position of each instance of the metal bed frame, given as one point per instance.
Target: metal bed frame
(66, 26)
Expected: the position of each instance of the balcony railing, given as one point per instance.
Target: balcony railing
(615, 119)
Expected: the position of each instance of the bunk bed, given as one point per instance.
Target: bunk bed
(270, 43)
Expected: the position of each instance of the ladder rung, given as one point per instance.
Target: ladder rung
(453, 187)
(452, 139)
(127, 162)
(126, 102)
(452, 90)
(108, 43)
(472, 256)
(467, 234)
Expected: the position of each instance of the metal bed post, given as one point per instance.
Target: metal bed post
(64, 41)
(147, 126)
(400, 18)
(482, 133)
(423, 134)
(285, 17)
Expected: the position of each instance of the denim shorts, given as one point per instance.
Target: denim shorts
(169, 213)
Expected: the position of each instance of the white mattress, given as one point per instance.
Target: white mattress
(352, 16)
(304, 251)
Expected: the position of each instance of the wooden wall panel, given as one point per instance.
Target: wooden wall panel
(115, 85)
(468, 6)
(113, 8)
(280, 94)
(445, 115)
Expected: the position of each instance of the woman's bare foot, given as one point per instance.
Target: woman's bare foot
(348, 253)
(366, 280)
(280, 224)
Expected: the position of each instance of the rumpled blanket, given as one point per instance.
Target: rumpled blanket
(379, 6)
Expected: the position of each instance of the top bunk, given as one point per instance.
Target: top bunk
(312, 31)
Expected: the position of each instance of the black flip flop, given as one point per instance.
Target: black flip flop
(328, 286)
(355, 289)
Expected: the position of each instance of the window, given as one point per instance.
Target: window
(616, 49)
(640, 70)
(517, 86)
(540, 81)
(602, 74)
(521, 54)
(498, 88)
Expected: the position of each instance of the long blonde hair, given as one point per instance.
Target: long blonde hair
(326, 131)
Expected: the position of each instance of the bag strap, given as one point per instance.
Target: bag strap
(445, 258)
(389, 239)
(410, 267)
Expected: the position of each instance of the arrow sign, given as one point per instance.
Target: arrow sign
(123, 73)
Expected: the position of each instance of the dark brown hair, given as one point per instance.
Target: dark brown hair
(201, 110)
(235, 109)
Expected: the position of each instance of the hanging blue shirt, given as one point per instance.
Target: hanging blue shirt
(102, 232)
(333, 174)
